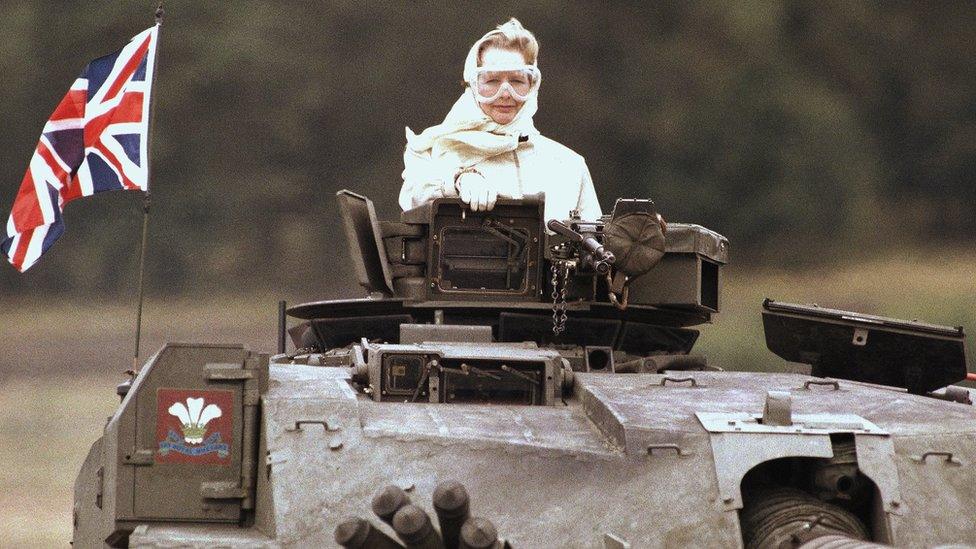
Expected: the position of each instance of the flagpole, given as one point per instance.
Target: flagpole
(145, 198)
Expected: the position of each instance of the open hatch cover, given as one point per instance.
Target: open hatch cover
(917, 356)
(365, 242)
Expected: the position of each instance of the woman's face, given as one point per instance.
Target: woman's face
(503, 109)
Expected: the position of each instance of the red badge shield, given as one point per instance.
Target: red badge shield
(194, 426)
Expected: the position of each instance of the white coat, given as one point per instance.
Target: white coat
(537, 165)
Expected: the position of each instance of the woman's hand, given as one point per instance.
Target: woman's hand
(474, 190)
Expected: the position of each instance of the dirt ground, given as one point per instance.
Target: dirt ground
(59, 363)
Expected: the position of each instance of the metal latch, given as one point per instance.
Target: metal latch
(222, 490)
(226, 372)
(139, 458)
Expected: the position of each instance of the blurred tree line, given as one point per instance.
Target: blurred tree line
(803, 131)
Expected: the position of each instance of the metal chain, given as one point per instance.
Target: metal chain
(555, 298)
(562, 298)
(559, 296)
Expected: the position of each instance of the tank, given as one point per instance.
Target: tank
(512, 382)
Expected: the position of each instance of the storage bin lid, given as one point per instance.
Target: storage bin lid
(694, 239)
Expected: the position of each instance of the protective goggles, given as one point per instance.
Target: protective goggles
(520, 81)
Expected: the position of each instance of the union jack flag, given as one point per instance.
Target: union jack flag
(95, 141)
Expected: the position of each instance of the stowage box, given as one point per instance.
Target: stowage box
(689, 274)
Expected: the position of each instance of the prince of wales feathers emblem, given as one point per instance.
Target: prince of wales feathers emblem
(194, 418)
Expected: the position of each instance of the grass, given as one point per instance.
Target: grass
(59, 363)
(938, 288)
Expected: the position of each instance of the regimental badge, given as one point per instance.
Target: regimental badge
(194, 426)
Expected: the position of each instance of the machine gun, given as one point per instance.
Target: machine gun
(613, 250)
(586, 246)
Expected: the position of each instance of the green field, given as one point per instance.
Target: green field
(938, 288)
(59, 363)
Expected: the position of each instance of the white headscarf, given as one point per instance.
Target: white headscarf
(468, 135)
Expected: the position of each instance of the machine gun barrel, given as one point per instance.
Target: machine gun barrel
(596, 254)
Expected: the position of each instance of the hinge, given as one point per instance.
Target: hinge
(139, 458)
(222, 490)
(226, 372)
(251, 397)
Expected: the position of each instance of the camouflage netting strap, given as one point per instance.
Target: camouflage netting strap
(637, 242)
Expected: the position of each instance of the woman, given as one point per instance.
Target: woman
(487, 147)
